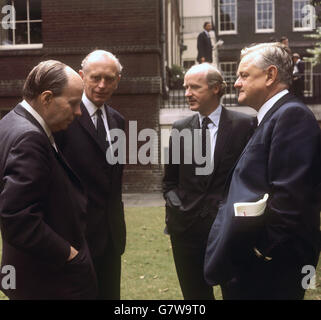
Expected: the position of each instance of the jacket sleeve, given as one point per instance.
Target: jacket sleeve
(23, 201)
(294, 175)
(171, 172)
(201, 46)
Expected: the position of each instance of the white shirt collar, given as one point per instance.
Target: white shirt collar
(269, 104)
(214, 116)
(37, 116)
(207, 33)
(90, 106)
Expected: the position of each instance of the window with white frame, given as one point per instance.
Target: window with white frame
(227, 16)
(24, 28)
(264, 15)
(303, 17)
(229, 69)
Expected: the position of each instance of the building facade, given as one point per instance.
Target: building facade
(239, 23)
(143, 34)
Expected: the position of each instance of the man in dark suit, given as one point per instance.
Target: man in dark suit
(192, 199)
(298, 76)
(84, 145)
(204, 45)
(42, 202)
(261, 256)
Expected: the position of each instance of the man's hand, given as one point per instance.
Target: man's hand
(73, 253)
(172, 199)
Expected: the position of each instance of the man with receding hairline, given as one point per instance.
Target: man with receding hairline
(192, 200)
(42, 201)
(84, 144)
(268, 228)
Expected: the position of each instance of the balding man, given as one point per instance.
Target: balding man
(84, 144)
(192, 199)
(42, 202)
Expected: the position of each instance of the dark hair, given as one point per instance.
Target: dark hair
(283, 38)
(205, 24)
(47, 75)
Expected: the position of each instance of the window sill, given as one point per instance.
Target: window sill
(21, 47)
(227, 33)
(265, 31)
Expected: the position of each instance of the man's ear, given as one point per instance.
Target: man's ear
(81, 73)
(118, 79)
(271, 75)
(46, 97)
(215, 89)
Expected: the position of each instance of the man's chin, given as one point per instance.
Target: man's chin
(241, 101)
(193, 107)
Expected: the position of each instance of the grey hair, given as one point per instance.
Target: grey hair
(276, 54)
(213, 76)
(107, 54)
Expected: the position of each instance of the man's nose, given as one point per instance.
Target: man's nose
(188, 92)
(237, 83)
(102, 83)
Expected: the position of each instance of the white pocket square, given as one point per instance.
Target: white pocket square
(250, 209)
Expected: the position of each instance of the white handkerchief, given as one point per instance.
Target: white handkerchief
(250, 209)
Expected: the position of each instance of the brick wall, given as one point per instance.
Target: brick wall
(128, 28)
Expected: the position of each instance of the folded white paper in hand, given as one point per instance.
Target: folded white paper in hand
(250, 209)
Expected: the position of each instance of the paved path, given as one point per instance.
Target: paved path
(143, 200)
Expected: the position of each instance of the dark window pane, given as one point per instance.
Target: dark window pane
(35, 9)
(35, 32)
(21, 33)
(21, 9)
(6, 37)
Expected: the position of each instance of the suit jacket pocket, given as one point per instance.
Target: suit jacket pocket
(79, 272)
(244, 232)
(77, 262)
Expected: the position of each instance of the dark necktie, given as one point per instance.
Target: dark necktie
(205, 123)
(101, 130)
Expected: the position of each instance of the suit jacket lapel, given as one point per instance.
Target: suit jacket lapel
(112, 123)
(19, 109)
(24, 113)
(86, 122)
(267, 116)
(275, 107)
(192, 125)
(223, 134)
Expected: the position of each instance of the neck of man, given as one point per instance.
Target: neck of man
(208, 111)
(272, 92)
(35, 105)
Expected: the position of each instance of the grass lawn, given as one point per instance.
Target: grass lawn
(148, 271)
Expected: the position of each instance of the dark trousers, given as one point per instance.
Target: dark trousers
(108, 272)
(278, 279)
(189, 263)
